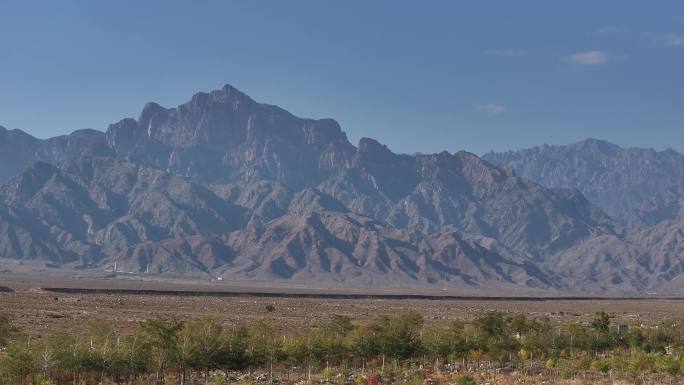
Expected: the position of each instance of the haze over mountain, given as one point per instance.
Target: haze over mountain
(223, 186)
(620, 180)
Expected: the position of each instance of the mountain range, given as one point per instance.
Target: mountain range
(226, 187)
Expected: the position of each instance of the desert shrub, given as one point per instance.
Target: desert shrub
(551, 363)
(667, 364)
(601, 365)
(218, 378)
(465, 380)
(328, 373)
(583, 362)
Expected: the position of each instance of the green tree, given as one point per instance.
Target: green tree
(264, 344)
(235, 355)
(447, 343)
(72, 356)
(162, 337)
(296, 350)
(601, 325)
(18, 361)
(134, 356)
(329, 343)
(363, 342)
(494, 336)
(103, 345)
(601, 322)
(186, 352)
(207, 337)
(399, 336)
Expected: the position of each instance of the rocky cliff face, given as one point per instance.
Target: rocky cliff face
(225, 186)
(224, 136)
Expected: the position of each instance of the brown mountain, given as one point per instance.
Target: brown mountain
(340, 248)
(429, 192)
(245, 149)
(225, 186)
(646, 260)
(93, 207)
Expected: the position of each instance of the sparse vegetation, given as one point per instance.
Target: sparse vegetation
(495, 346)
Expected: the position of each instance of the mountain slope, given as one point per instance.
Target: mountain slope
(429, 192)
(244, 149)
(338, 248)
(19, 150)
(663, 206)
(96, 206)
(648, 259)
(225, 186)
(618, 179)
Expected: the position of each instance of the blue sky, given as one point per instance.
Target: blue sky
(418, 76)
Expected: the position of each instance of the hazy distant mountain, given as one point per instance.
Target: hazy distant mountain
(665, 205)
(648, 259)
(225, 186)
(19, 149)
(620, 180)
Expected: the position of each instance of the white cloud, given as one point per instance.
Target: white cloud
(492, 109)
(507, 52)
(669, 39)
(589, 58)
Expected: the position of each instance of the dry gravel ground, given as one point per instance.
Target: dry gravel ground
(41, 312)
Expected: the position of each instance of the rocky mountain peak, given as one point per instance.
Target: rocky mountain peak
(224, 135)
(17, 136)
(123, 136)
(370, 150)
(598, 145)
(226, 97)
(152, 114)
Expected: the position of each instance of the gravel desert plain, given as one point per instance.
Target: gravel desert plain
(47, 306)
